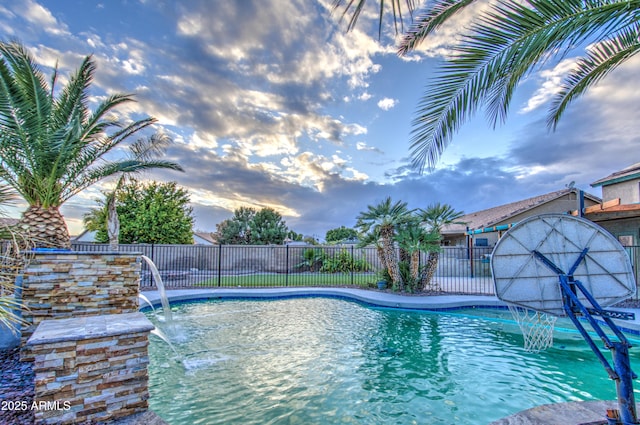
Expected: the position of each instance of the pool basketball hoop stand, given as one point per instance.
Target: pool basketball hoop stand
(621, 371)
(560, 265)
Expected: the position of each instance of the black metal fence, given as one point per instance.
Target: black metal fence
(460, 270)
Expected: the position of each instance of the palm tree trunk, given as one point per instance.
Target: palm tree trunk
(415, 266)
(389, 253)
(46, 227)
(113, 224)
(381, 256)
(432, 265)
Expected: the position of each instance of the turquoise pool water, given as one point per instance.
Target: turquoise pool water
(331, 361)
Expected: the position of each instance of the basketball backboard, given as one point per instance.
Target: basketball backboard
(522, 279)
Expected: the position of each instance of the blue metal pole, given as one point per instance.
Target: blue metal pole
(624, 383)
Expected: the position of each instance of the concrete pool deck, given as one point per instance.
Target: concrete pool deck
(573, 413)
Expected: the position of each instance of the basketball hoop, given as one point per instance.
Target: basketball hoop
(536, 327)
(559, 265)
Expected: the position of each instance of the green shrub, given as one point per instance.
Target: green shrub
(343, 262)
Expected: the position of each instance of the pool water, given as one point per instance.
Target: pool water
(331, 361)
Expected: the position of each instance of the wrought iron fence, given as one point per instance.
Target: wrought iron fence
(460, 270)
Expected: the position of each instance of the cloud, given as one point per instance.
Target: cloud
(41, 17)
(387, 103)
(362, 146)
(550, 85)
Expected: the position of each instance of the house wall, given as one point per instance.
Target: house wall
(623, 227)
(627, 191)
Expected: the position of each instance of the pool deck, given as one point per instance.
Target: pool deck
(574, 413)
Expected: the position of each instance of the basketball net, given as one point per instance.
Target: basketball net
(536, 327)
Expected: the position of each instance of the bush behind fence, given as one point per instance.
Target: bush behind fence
(460, 269)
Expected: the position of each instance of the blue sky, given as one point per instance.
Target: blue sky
(272, 104)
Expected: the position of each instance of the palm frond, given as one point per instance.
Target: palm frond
(503, 46)
(353, 9)
(31, 96)
(601, 59)
(428, 21)
(150, 147)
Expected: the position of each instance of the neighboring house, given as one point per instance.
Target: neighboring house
(619, 211)
(204, 238)
(484, 228)
(85, 236)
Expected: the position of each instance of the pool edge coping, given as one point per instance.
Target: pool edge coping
(370, 297)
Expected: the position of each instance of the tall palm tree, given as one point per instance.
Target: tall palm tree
(383, 219)
(503, 45)
(434, 218)
(52, 146)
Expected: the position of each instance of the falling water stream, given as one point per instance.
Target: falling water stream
(169, 324)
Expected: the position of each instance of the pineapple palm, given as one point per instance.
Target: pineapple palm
(383, 220)
(434, 218)
(52, 146)
(502, 46)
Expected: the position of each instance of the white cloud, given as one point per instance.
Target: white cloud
(41, 17)
(362, 146)
(551, 83)
(387, 103)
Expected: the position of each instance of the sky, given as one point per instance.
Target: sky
(272, 103)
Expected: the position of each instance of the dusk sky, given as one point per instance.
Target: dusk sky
(271, 103)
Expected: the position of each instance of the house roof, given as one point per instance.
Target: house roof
(492, 216)
(629, 173)
(206, 237)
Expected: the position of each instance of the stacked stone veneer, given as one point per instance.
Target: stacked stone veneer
(90, 369)
(71, 284)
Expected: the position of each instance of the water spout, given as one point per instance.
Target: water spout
(146, 300)
(166, 309)
(157, 332)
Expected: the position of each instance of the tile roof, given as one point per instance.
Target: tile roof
(631, 172)
(492, 216)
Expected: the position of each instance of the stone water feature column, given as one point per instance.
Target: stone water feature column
(60, 285)
(90, 369)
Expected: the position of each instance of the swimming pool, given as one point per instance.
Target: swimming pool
(324, 361)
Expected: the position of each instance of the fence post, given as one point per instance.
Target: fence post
(219, 265)
(286, 276)
(353, 262)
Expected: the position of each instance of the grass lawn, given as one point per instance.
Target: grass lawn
(294, 279)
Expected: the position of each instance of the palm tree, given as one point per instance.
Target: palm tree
(373, 238)
(503, 45)
(52, 146)
(434, 218)
(415, 239)
(383, 219)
